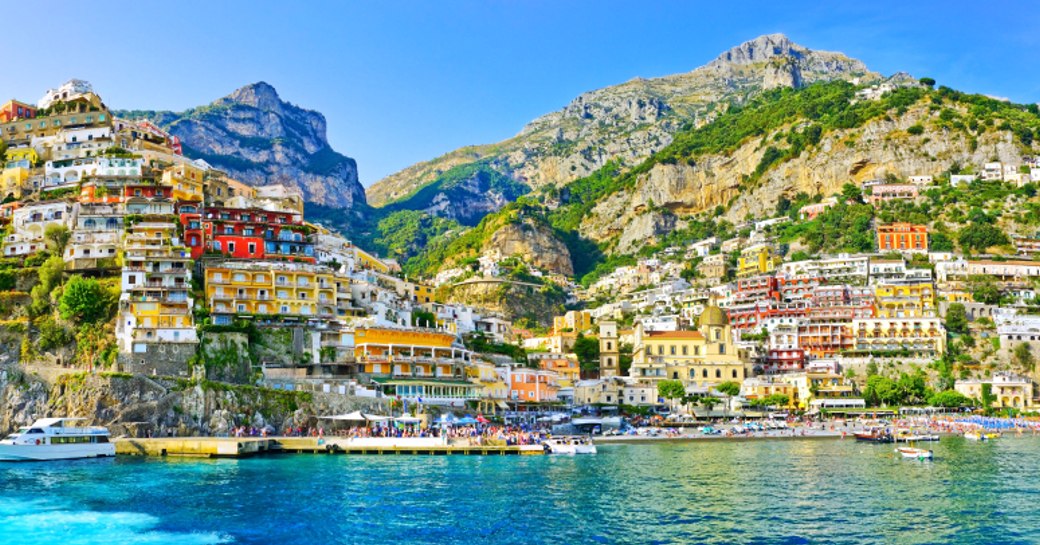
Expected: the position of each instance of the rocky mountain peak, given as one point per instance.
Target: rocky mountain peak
(260, 95)
(761, 49)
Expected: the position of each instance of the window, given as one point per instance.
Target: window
(231, 247)
(718, 373)
(685, 350)
(671, 349)
(252, 248)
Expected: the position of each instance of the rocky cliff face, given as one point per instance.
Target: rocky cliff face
(534, 243)
(631, 218)
(260, 139)
(629, 122)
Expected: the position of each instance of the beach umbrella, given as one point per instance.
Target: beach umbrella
(481, 419)
(467, 420)
(354, 416)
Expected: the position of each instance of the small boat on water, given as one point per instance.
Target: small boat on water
(978, 435)
(916, 453)
(875, 435)
(51, 439)
(909, 436)
(569, 445)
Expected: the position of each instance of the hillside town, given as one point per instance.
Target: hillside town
(113, 206)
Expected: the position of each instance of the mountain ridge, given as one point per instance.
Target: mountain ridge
(260, 139)
(628, 121)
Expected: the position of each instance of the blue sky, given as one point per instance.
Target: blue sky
(400, 82)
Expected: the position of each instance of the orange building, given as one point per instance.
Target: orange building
(532, 385)
(902, 237)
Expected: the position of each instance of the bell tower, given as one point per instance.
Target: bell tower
(608, 349)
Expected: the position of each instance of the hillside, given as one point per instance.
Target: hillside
(786, 145)
(624, 124)
(260, 139)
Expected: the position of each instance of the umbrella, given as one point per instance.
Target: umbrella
(467, 420)
(481, 419)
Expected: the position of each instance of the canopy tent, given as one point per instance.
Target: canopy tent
(482, 420)
(466, 420)
(357, 416)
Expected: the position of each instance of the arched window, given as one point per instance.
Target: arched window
(718, 373)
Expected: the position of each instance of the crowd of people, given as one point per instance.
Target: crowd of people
(473, 435)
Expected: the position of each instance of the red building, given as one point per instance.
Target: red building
(784, 360)
(749, 316)
(246, 233)
(16, 110)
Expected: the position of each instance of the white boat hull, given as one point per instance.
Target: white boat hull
(40, 453)
(917, 453)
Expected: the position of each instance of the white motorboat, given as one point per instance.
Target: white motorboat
(52, 439)
(569, 445)
(917, 453)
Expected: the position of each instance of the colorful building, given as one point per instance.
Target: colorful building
(905, 300)
(155, 307)
(902, 237)
(13, 110)
(918, 337)
(290, 291)
(756, 260)
(700, 359)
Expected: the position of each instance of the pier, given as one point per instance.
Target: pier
(241, 447)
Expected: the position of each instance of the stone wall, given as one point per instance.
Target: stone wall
(168, 359)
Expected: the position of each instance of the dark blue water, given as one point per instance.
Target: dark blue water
(717, 492)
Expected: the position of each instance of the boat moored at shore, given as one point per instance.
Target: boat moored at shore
(569, 445)
(50, 439)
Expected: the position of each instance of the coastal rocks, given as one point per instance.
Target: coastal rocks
(258, 138)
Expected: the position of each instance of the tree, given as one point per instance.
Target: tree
(84, 300)
(50, 278)
(1023, 357)
(587, 350)
(729, 388)
(423, 318)
(987, 396)
(984, 289)
(939, 242)
(625, 358)
(957, 318)
(913, 388)
(927, 82)
(671, 389)
(981, 236)
(949, 398)
(882, 390)
(57, 237)
(852, 193)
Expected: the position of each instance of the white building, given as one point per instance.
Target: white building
(68, 91)
(31, 222)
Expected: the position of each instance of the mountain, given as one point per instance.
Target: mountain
(260, 139)
(624, 123)
(781, 149)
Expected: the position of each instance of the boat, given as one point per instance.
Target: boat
(977, 435)
(569, 445)
(52, 439)
(904, 435)
(918, 453)
(875, 435)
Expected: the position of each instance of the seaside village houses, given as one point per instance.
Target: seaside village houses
(199, 257)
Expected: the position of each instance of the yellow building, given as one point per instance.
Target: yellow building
(700, 359)
(1007, 390)
(762, 387)
(185, 180)
(909, 300)
(494, 390)
(813, 385)
(297, 291)
(575, 320)
(26, 154)
(366, 260)
(410, 353)
(881, 337)
(14, 181)
(756, 260)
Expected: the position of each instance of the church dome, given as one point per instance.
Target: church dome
(713, 315)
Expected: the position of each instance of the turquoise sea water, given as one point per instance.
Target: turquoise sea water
(768, 492)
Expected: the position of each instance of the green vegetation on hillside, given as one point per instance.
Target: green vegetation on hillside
(453, 184)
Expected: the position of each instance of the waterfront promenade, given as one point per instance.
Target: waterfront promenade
(240, 447)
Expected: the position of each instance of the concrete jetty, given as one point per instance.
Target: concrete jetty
(240, 447)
